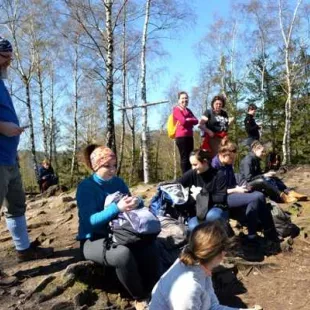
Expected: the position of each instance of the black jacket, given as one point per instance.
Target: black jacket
(251, 127)
(212, 181)
(250, 167)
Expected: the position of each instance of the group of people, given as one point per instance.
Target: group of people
(187, 284)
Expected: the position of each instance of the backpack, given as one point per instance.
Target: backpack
(282, 221)
(168, 200)
(171, 126)
(134, 226)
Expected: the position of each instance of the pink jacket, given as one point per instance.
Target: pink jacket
(187, 121)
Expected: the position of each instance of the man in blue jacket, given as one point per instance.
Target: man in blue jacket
(12, 195)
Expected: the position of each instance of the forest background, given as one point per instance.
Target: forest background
(95, 71)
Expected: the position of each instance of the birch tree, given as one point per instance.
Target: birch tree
(287, 39)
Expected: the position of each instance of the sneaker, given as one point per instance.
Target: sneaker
(7, 281)
(34, 252)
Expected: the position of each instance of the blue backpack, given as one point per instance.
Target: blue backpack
(168, 200)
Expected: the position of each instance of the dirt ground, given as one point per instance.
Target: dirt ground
(280, 282)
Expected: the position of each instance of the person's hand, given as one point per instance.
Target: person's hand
(241, 189)
(210, 133)
(195, 191)
(231, 120)
(10, 129)
(127, 203)
(269, 174)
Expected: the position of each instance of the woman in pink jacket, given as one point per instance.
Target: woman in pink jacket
(186, 120)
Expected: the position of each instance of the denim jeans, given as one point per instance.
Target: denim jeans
(213, 215)
(255, 208)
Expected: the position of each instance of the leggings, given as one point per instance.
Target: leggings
(136, 267)
(185, 146)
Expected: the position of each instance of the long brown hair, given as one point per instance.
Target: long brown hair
(206, 241)
(87, 152)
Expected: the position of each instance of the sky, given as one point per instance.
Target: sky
(182, 59)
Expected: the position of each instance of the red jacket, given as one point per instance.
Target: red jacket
(186, 121)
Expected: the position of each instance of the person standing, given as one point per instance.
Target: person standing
(251, 127)
(215, 124)
(186, 120)
(11, 190)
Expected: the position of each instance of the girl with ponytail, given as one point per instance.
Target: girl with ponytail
(187, 285)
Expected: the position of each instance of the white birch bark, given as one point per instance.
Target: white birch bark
(143, 95)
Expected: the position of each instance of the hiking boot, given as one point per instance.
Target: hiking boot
(141, 305)
(271, 247)
(287, 198)
(250, 250)
(299, 197)
(34, 252)
(7, 281)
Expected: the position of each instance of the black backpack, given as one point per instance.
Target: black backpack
(282, 221)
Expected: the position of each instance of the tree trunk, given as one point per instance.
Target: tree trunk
(145, 149)
(286, 143)
(32, 141)
(42, 110)
(110, 138)
(121, 152)
(51, 124)
(76, 101)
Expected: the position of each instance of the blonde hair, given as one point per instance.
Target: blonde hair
(206, 241)
(256, 145)
(46, 161)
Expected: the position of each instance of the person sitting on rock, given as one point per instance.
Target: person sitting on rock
(203, 177)
(136, 265)
(47, 176)
(188, 282)
(272, 186)
(252, 204)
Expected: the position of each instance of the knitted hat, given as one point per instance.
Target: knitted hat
(100, 157)
(5, 46)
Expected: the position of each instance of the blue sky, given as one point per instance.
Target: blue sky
(182, 59)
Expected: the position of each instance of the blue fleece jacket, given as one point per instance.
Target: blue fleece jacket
(94, 218)
(228, 171)
(8, 145)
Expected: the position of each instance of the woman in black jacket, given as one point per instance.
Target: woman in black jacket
(272, 186)
(205, 181)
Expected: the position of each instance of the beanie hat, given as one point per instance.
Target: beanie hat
(5, 45)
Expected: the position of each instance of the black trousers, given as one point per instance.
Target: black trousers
(137, 267)
(262, 185)
(185, 146)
